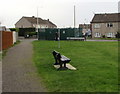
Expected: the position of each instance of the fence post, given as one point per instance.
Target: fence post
(58, 38)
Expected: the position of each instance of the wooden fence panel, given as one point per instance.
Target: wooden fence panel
(0, 40)
(7, 39)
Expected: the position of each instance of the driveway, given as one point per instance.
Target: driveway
(19, 73)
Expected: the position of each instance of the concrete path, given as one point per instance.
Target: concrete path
(100, 40)
(18, 70)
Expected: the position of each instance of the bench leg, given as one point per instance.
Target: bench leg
(60, 65)
(62, 68)
(65, 65)
(56, 62)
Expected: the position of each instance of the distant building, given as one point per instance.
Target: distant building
(85, 28)
(31, 22)
(106, 25)
(3, 28)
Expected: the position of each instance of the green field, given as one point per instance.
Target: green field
(96, 63)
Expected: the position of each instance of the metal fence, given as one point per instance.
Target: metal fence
(49, 34)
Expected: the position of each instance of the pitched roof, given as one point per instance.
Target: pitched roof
(33, 20)
(49, 22)
(102, 18)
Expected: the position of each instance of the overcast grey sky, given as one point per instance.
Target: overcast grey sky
(59, 12)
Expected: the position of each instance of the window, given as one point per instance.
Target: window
(97, 34)
(109, 25)
(22, 26)
(110, 35)
(97, 26)
(63, 32)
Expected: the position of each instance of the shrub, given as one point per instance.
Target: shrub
(117, 35)
(103, 36)
(14, 29)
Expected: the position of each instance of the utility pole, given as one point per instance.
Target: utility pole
(74, 22)
(74, 16)
(58, 37)
(37, 24)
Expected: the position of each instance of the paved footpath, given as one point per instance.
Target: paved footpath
(101, 40)
(19, 72)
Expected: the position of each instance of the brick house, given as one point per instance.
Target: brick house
(105, 25)
(31, 22)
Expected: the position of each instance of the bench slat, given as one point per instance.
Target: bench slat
(64, 58)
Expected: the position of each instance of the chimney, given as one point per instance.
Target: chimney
(33, 16)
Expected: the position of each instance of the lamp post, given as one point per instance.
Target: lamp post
(74, 22)
(58, 37)
(37, 25)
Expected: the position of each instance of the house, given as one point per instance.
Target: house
(31, 22)
(85, 28)
(3, 28)
(105, 25)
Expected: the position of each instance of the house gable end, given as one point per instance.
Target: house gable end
(23, 23)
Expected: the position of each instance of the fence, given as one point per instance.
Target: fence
(15, 36)
(0, 40)
(49, 34)
(7, 39)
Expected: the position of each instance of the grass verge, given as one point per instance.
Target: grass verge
(96, 63)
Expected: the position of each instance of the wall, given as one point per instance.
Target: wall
(7, 39)
(23, 23)
(15, 36)
(104, 29)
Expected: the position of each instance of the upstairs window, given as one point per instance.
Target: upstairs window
(109, 25)
(97, 26)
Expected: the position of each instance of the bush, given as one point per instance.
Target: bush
(117, 35)
(14, 29)
(32, 33)
(103, 36)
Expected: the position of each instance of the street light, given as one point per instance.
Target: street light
(37, 24)
(74, 22)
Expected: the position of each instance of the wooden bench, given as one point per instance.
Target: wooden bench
(60, 60)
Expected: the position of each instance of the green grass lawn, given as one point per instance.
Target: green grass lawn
(96, 63)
